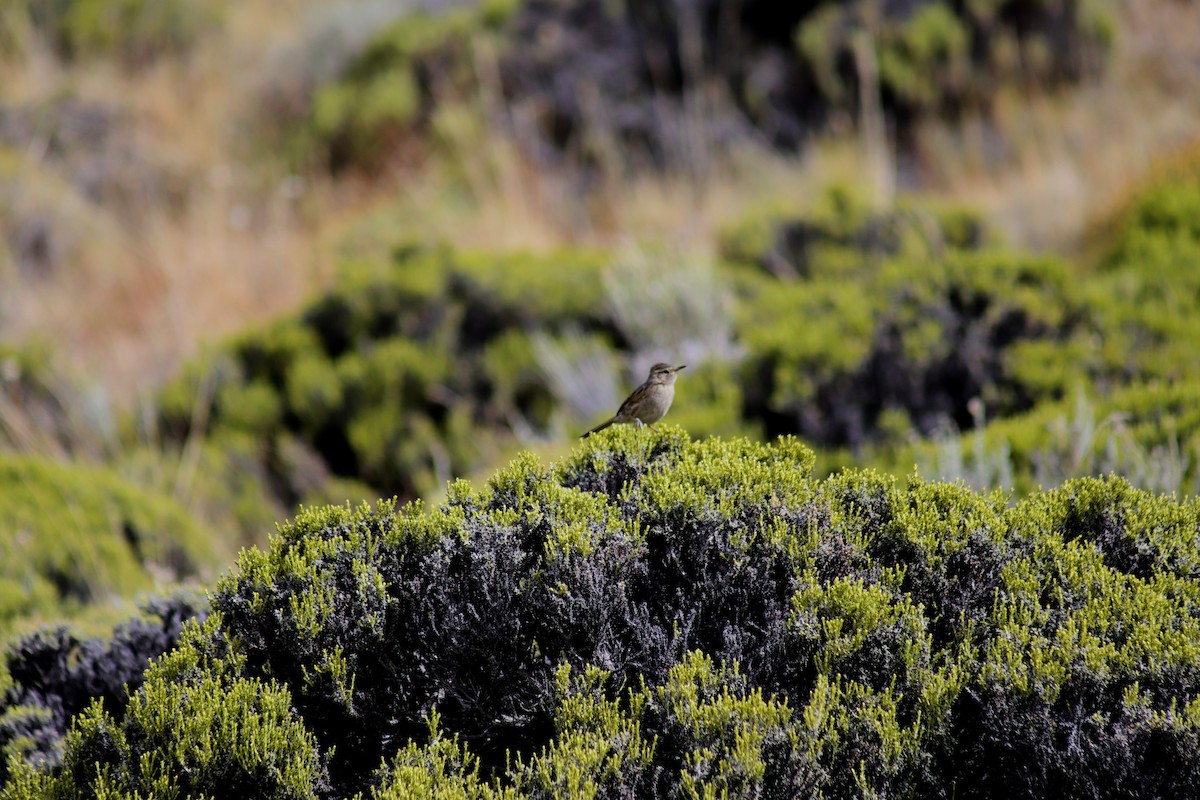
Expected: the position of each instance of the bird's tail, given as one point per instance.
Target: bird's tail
(599, 427)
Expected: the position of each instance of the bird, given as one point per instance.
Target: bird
(648, 403)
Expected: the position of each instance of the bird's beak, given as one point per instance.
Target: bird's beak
(679, 368)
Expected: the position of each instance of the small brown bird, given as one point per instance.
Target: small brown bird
(649, 402)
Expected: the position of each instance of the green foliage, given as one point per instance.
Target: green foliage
(829, 357)
(1158, 216)
(726, 732)
(944, 57)
(1149, 435)
(72, 535)
(876, 330)
(661, 617)
(599, 749)
(437, 77)
(384, 98)
(866, 327)
(194, 729)
(442, 769)
(55, 674)
(136, 31)
(1147, 294)
(397, 378)
(928, 58)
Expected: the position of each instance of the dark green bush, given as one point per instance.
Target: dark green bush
(865, 331)
(54, 675)
(783, 69)
(402, 375)
(947, 57)
(874, 326)
(657, 617)
(1132, 351)
(586, 76)
(194, 728)
(829, 358)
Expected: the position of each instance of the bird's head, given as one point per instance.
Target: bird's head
(664, 373)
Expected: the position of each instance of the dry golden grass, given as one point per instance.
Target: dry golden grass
(148, 284)
(508, 204)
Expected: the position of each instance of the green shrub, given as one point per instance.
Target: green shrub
(384, 98)
(928, 58)
(944, 57)
(661, 617)
(74, 535)
(418, 78)
(442, 769)
(55, 674)
(400, 377)
(877, 329)
(831, 358)
(1147, 293)
(193, 729)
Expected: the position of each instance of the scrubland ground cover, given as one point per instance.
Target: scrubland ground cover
(661, 617)
(264, 256)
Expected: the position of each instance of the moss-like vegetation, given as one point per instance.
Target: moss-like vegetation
(73, 535)
(657, 617)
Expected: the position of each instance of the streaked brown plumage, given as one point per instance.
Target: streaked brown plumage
(648, 403)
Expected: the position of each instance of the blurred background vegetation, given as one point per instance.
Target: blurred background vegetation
(275, 253)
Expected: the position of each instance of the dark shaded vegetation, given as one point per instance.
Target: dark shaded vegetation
(657, 617)
(583, 82)
(402, 375)
(935, 320)
(860, 331)
(54, 675)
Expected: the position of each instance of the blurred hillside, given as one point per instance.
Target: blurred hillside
(276, 252)
(273, 254)
(187, 167)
